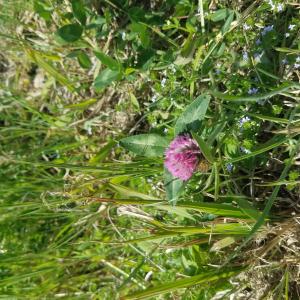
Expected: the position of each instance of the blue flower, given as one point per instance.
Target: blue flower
(245, 55)
(243, 120)
(267, 29)
(253, 91)
(229, 167)
(291, 27)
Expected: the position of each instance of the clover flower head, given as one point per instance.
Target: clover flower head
(182, 157)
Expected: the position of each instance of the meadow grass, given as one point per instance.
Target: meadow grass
(91, 95)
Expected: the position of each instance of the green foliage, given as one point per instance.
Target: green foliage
(70, 33)
(193, 114)
(149, 145)
(105, 78)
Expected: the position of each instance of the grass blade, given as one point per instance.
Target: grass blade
(184, 283)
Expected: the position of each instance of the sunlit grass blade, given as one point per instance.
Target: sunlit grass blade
(283, 88)
(217, 209)
(271, 144)
(49, 68)
(206, 277)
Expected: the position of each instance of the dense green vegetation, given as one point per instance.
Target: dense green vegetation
(91, 95)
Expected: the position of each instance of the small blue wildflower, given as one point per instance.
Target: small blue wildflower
(252, 91)
(154, 98)
(163, 82)
(217, 71)
(279, 7)
(284, 61)
(229, 167)
(298, 59)
(245, 55)
(291, 26)
(243, 120)
(246, 27)
(258, 42)
(245, 150)
(257, 56)
(296, 66)
(267, 29)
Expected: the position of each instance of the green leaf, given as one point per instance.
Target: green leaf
(84, 60)
(70, 33)
(228, 22)
(79, 11)
(149, 145)
(205, 277)
(42, 11)
(247, 208)
(103, 153)
(105, 78)
(174, 187)
(220, 14)
(142, 32)
(108, 61)
(194, 113)
(205, 149)
(134, 102)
